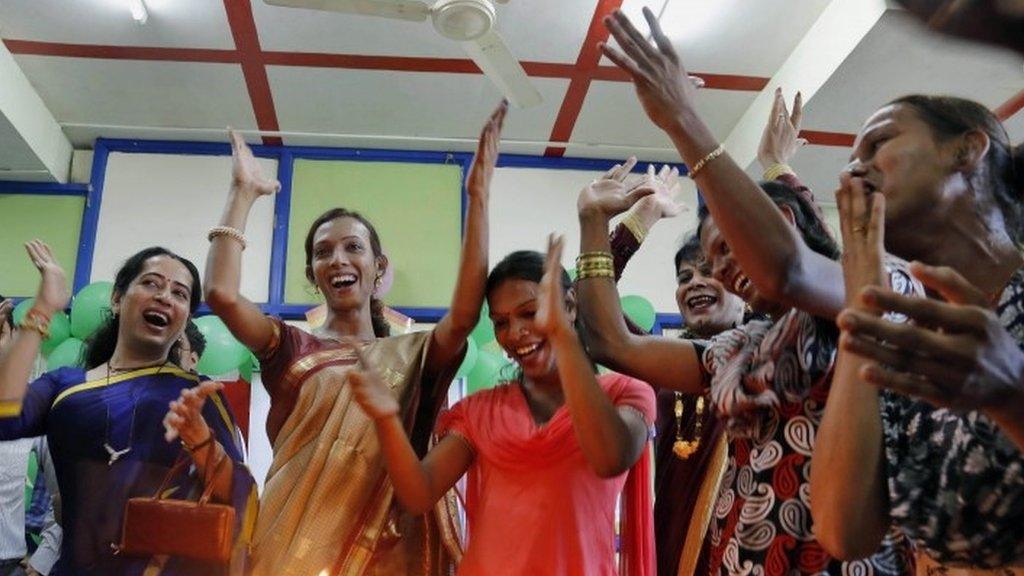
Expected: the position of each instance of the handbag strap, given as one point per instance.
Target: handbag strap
(208, 477)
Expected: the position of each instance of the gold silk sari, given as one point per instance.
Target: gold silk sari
(328, 507)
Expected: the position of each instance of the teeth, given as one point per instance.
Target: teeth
(341, 279)
(527, 349)
(700, 301)
(740, 284)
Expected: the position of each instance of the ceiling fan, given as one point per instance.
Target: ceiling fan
(469, 22)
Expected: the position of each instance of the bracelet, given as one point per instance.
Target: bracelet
(233, 233)
(36, 320)
(636, 227)
(583, 275)
(776, 170)
(711, 156)
(201, 445)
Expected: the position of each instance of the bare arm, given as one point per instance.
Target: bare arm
(449, 336)
(224, 263)
(849, 499)
(52, 296)
(611, 439)
(662, 362)
(418, 484)
(770, 251)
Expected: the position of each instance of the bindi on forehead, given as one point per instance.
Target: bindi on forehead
(167, 269)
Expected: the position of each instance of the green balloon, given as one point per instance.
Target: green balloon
(245, 370)
(90, 308)
(639, 310)
(223, 352)
(469, 360)
(572, 274)
(485, 373)
(484, 330)
(67, 353)
(18, 314)
(60, 330)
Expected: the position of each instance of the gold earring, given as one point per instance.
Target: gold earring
(379, 280)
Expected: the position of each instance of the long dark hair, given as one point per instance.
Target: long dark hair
(949, 117)
(99, 347)
(811, 226)
(381, 328)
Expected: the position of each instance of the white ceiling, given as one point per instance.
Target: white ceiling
(134, 95)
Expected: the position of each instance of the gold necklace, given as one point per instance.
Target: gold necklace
(683, 449)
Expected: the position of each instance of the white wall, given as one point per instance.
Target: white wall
(172, 201)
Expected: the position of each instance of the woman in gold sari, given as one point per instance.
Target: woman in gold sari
(327, 505)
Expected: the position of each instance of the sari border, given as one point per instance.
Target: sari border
(302, 367)
(10, 408)
(707, 496)
(104, 382)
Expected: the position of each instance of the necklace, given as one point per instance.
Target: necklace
(683, 449)
(113, 454)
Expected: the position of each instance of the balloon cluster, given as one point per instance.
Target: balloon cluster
(90, 308)
(484, 359)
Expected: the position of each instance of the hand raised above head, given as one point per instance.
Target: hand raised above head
(610, 196)
(52, 295)
(246, 175)
(551, 315)
(478, 182)
(780, 140)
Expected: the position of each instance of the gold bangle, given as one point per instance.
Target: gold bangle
(636, 227)
(776, 170)
(233, 233)
(703, 161)
(585, 274)
(36, 320)
(595, 254)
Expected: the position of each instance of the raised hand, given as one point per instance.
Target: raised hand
(551, 315)
(661, 81)
(610, 195)
(862, 222)
(184, 418)
(662, 202)
(780, 139)
(53, 295)
(954, 354)
(478, 183)
(246, 175)
(369, 389)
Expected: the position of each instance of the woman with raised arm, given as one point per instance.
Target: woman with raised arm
(108, 425)
(767, 380)
(547, 452)
(950, 177)
(327, 506)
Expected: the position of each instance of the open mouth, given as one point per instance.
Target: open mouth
(740, 284)
(700, 302)
(524, 352)
(341, 281)
(157, 319)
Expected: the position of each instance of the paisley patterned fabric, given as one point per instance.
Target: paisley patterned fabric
(770, 381)
(956, 483)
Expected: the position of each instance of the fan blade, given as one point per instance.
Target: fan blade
(395, 9)
(492, 56)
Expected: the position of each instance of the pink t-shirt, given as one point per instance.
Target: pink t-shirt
(534, 505)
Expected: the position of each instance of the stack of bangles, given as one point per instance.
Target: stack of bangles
(233, 233)
(38, 320)
(595, 265)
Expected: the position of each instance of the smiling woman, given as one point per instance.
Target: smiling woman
(108, 425)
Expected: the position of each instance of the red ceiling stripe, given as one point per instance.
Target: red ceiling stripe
(247, 41)
(841, 139)
(1011, 106)
(586, 63)
(122, 52)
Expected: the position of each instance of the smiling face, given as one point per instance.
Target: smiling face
(706, 307)
(155, 306)
(343, 264)
(513, 305)
(726, 270)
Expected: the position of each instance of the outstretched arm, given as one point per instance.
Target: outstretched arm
(662, 362)
(769, 250)
(17, 359)
(449, 337)
(611, 438)
(224, 262)
(418, 484)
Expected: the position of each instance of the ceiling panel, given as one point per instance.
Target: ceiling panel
(612, 115)
(536, 30)
(140, 93)
(406, 103)
(172, 23)
(731, 36)
(898, 57)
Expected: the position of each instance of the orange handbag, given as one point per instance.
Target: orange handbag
(162, 526)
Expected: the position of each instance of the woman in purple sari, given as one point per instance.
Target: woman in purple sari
(108, 425)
